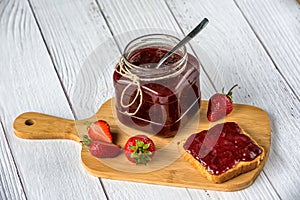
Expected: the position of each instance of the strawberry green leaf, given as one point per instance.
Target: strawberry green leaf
(134, 148)
(148, 158)
(139, 143)
(133, 155)
(86, 141)
(87, 123)
(229, 95)
(146, 146)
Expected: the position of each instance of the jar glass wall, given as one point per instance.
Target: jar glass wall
(156, 100)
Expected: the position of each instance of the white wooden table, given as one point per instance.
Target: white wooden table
(43, 45)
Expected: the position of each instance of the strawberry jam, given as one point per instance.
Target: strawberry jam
(222, 147)
(156, 100)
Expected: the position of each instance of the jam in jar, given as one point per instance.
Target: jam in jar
(156, 100)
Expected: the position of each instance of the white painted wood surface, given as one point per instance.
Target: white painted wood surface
(10, 183)
(280, 40)
(238, 56)
(43, 48)
(47, 169)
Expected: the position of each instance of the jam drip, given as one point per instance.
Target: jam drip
(222, 147)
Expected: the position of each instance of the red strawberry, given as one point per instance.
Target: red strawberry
(139, 149)
(100, 131)
(104, 150)
(220, 105)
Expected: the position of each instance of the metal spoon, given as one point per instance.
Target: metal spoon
(185, 40)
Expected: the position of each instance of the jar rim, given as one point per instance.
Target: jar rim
(163, 36)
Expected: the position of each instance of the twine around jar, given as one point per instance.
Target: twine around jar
(124, 70)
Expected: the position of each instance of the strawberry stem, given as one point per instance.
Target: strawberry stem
(229, 94)
(231, 89)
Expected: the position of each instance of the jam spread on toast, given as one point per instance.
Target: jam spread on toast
(222, 147)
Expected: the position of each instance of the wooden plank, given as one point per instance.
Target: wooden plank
(238, 56)
(155, 14)
(72, 34)
(48, 170)
(10, 183)
(276, 24)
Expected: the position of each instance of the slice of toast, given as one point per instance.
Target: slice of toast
(207, 154)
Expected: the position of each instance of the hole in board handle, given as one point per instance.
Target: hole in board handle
(29, 122)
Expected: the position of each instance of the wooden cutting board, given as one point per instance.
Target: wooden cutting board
(167, 167)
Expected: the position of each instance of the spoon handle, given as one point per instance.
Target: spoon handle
(185, 40)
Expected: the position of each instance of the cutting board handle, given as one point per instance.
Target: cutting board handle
(32, 125)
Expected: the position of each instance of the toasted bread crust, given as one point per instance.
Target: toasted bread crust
(240, 168)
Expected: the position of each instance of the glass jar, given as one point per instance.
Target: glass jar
(156, 100)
